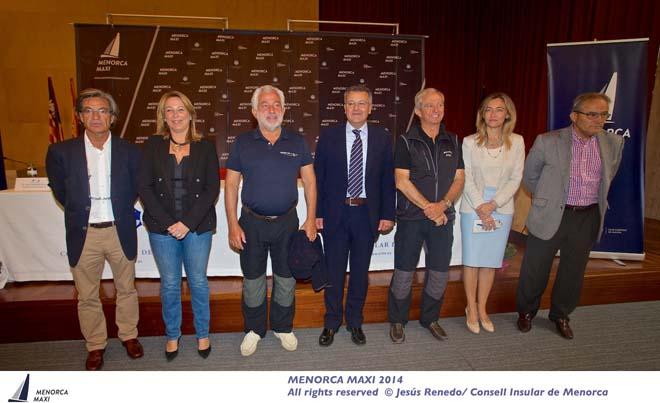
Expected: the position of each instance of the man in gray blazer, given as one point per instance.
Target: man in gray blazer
(568, 172)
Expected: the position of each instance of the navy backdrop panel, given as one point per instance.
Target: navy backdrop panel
(619, 70)
(219, 70)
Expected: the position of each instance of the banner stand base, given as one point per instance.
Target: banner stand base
(617, 256)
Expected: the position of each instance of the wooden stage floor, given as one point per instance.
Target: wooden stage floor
(38, 311)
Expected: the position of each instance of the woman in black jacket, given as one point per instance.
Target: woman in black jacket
(179, 186)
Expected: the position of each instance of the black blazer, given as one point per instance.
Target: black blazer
(66, 165)
(202, 185)
(330, 164)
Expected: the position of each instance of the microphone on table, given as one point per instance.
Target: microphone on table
(31, 170)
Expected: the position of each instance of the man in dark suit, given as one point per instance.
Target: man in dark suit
(568, 172)
(94, 178)
(355, 182)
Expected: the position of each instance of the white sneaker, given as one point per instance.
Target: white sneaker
(249, 344)
(289, 340)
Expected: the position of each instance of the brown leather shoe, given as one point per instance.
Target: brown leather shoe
(397, 334)
(437, 331)
(563, 328)
(525, 322)
(94, 360)
(133, 348)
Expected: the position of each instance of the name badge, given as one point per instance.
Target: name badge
(288, 154)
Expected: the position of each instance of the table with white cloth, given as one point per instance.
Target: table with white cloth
(33, 246)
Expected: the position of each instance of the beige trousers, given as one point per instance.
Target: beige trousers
(103, 244)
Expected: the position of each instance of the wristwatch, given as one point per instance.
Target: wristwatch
(447, 202)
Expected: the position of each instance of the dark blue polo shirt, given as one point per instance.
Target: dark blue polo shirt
(270, 172)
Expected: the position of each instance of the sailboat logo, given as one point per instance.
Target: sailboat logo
(112, 50)
(109, 61)
(22, 391)
(610, 90)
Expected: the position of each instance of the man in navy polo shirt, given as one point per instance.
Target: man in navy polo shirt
(269, 160)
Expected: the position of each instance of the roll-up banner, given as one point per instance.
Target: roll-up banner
(618, 69)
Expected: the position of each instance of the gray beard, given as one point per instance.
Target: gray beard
(270, 128)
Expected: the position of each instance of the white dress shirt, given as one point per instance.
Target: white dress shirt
(98, 172)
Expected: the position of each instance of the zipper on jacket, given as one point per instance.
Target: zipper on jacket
(435, 170)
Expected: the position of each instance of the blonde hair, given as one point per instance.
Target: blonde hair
(509, 120)
(161, 123)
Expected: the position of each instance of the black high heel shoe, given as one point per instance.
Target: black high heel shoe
(170, 355)
(205, 353)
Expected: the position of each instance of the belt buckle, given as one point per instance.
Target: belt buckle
(353, 202)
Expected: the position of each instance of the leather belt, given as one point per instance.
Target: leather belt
(580, 208)
(358, 201)
(104, 224)
(267, 217)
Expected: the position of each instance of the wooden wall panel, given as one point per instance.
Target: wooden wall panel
(38, 41)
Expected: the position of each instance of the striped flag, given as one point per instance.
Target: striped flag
(75, 122)
(55, 133)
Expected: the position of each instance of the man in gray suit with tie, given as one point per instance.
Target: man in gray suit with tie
(568, 172)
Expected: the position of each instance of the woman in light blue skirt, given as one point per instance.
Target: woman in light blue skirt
(494, 159)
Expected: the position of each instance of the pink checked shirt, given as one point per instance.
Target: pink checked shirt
(586, 166)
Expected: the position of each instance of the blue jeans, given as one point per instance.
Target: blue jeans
(169, 253)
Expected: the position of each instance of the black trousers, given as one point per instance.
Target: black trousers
(352, 243)
(261, 238)
(575, 237)
(410, 237)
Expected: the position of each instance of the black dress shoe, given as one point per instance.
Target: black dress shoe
(563, 328)
(525, 322)
(327, 337)
(357, 335)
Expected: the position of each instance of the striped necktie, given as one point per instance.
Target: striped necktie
(355, 167)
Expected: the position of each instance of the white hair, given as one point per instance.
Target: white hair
(266, 89)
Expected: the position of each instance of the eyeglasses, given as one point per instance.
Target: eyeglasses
(100, 111)
(359, 104)
(595, 115)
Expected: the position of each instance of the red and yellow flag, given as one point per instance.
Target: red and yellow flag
(55, 133)
(75, 122)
